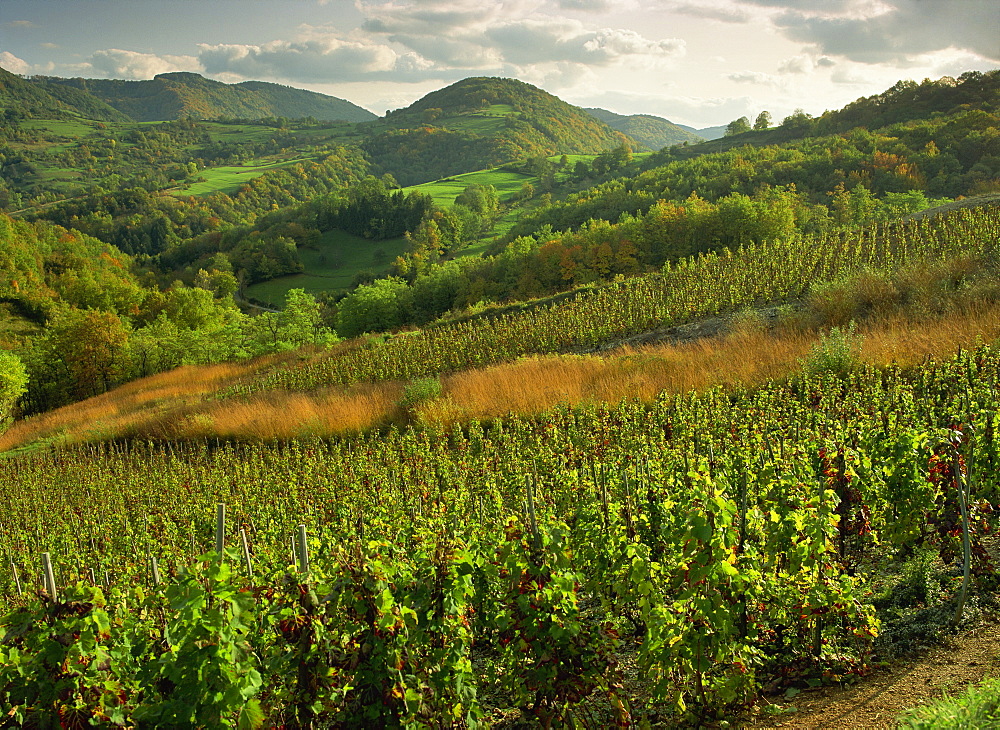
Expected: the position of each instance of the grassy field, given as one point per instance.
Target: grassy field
(331, 264)
(229, 178)
(62, 127)
(485, 121)
(445, 191)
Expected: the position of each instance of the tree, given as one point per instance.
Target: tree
(798, 121)
(738, 126)
(301, 322)
(762, 122)
(13, 383)
(375, 307)
(93, 345)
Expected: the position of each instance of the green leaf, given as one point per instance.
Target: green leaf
(251, 716)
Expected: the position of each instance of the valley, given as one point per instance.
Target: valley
(491, 410)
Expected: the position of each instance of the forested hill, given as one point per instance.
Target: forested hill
(478, 122)
(172, 96)
(26, 99)
(904, 103)
(652, 132)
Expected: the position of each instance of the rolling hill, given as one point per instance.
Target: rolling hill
(40, 99)
(480, 122)
(172, 96)
(646, 129)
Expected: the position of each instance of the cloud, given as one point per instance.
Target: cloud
(890, 31)
(598, 6)
(116, 63)
(753, 77)
(561, 40)
(432, 17)
(315, 60)
(21, 24)
(478, 35)
(49, 45)
(726, 12)
(12, 63)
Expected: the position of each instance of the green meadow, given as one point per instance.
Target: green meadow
(486, 121)
(331, 263)
(444, 191)
(229, 178)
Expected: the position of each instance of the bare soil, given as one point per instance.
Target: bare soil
(877, 700)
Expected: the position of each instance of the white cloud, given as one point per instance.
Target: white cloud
(798, 65)
(12, 63)
(116, 63)
(479, 35)
(720, 10)
(753, 77)
(599, 6)
(314, 60)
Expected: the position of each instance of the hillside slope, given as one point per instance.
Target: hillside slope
(172, 96)
(40, 99)
(479, 122)
(646, 129)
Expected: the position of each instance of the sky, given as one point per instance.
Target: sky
(695, 62)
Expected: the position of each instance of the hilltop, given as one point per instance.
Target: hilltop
(482, 122)
(171, 96)
(646, 129)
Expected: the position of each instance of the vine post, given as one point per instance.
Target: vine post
(220, 530)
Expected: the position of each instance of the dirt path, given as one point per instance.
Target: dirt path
(878, 700)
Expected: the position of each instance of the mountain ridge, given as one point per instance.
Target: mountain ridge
(175, 95)
(652, 131)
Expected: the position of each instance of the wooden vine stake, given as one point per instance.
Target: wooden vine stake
(303, 550)
(154, 569)
(220, 530)
(533, 522)
(17, 579)
(966, 540)
(818, 626)
(246, 552)
(49, 577)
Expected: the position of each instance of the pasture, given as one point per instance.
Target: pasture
(331, 264)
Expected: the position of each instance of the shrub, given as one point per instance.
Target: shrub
(836, 352)
(420, 391)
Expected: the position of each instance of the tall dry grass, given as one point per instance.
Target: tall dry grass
(136, 402)
(280, 414)
(742, 358)
(176, 404)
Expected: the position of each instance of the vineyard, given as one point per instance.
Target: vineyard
(601, 566)
(726, 281)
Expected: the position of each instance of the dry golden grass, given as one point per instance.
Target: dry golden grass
(281, 414)
(533, 385)
(174, 404)
(134, 408)
(134, 402)
(906, 342)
